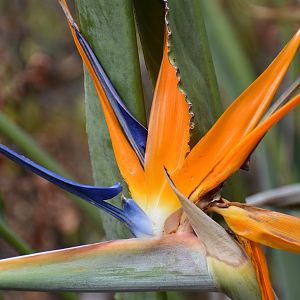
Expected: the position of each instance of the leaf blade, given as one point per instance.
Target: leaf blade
(150, 23)
(109, 28)
(191, 54)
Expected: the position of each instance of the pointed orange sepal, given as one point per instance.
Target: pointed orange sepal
(263, 226)
(238, 154)
(234, 125)
(168, 135)
(126, 158)
(259, 262)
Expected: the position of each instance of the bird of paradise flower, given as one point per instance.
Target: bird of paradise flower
(162, 172)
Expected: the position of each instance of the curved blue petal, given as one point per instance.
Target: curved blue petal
(140, 224)
(134, 130)
(131, 214)
(87, 192)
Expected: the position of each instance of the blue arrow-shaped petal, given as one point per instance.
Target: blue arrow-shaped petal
(92, 194)
(131, 214)
(133, 129)
(140, 224)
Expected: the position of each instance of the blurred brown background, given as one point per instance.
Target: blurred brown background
(41, 89)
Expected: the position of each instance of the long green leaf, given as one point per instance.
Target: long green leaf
(109, 28)
(189, 50)
(285, 268)
(150, 22)
(168, 263)
(234, 69)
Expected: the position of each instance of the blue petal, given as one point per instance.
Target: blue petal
(93, 194)
(140, 224)
(134, 130)
(132, 215)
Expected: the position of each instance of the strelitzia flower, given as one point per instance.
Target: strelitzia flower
(164, 175)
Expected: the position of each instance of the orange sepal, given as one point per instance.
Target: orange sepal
(168, 134)
(235, 123)
(259, 262)
(263, 226)
(127, 160)
(240, 152)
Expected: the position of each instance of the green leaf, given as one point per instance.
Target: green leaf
(150, 22)
(234, 69)
(189, 50)
(109, 28)
(167, 263)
